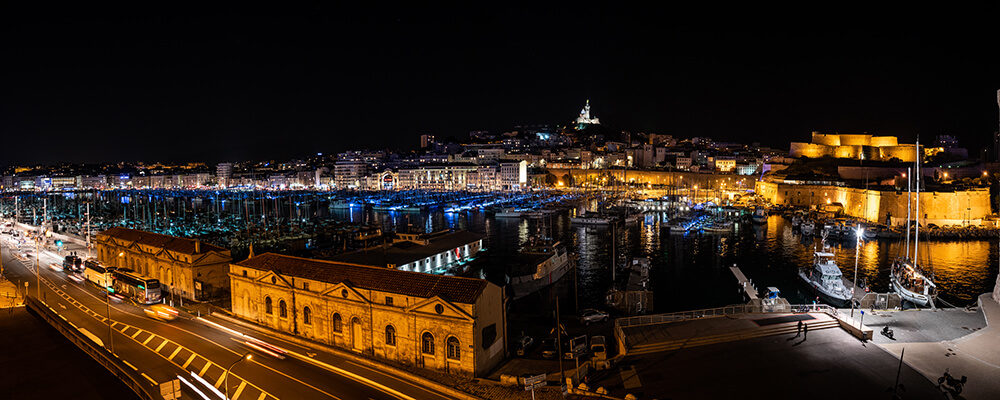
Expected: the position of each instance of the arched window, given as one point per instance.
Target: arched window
(267, 305)
(427, 343)
(390, 335)
(306, 316)
(338, 323)
(282, 309)
(454, 352)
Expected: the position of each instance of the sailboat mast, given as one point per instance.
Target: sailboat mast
(916, 231)
(909, 202)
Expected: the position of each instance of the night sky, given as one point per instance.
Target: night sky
(98, 86)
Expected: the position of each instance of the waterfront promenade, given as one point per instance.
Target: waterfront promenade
(934, 342)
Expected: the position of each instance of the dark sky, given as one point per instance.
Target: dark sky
(100, 85)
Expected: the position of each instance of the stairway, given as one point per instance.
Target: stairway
(677, 344)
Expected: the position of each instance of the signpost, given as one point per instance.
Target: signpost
(171, 390)
(579, 347)
(533, 382)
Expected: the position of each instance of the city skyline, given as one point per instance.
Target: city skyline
(238, 86)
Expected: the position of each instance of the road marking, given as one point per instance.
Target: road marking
(357, 378)
(164, 343)
(130, 365)
(149, 379)
(221, 379)
(178, 350)
(188, 362)
(239, 390)
(151, 336)
(208, 363)
(262, 396)
(137, 332)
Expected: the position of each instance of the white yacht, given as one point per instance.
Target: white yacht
(825, 278)
(544, 263)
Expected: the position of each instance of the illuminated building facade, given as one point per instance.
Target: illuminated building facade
(443, 323)
(860, 147)
(188, 268)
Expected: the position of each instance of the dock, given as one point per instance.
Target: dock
(745, 283)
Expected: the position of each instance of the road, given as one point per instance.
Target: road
(188, 347)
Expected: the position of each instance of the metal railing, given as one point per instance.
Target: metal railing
(734, 309)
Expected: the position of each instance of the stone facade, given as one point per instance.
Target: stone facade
(960, 207)
(450, 324)
(866, 147)
(187, 268)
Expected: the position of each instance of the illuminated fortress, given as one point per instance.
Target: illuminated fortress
(860, 147)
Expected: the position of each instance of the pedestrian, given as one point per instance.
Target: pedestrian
(798, 329)
(805, 331)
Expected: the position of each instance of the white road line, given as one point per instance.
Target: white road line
(164, 343)
(137, 332)
(188, 362)
(262, 396)
(151, 336)
(177, 350)
(130, 365)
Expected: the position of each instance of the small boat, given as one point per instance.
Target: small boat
(807, 228)
(912, 283)
(508, 213)
(718, 227)
(636, 296)
(542, 263)
(592, 219)
(760, 216)
(825, 278)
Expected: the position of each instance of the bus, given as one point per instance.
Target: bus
(134, 286)
(72, 264)
(95, 272)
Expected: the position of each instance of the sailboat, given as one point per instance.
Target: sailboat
(906, 277)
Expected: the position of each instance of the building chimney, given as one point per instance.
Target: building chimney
(197, 246)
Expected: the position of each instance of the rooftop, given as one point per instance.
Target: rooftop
(403, 252)
(455, 289)
(172, 243)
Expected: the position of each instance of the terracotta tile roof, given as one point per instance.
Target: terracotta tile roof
(172, 243)
(451, 288)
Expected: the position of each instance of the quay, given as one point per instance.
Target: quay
(751, 349)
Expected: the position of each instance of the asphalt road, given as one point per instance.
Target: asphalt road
(161, 351)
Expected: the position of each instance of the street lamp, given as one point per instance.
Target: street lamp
(247, 357)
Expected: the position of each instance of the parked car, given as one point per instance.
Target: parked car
(591, 315)
(524, 343)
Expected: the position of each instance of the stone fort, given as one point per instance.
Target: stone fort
(856, 146)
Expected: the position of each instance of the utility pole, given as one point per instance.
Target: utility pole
(559, 349)
(88, 230)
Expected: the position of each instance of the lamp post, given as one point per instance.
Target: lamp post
(857, 253)
(247, 357)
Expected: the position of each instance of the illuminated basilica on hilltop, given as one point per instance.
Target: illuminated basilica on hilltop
(585, 119)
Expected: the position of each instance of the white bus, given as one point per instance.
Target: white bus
(99, 274)
(134, 286)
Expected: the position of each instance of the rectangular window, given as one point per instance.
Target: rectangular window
(489, 335)
(388, 300)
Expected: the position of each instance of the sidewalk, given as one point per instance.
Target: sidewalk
(976, 355)
(10, 295)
